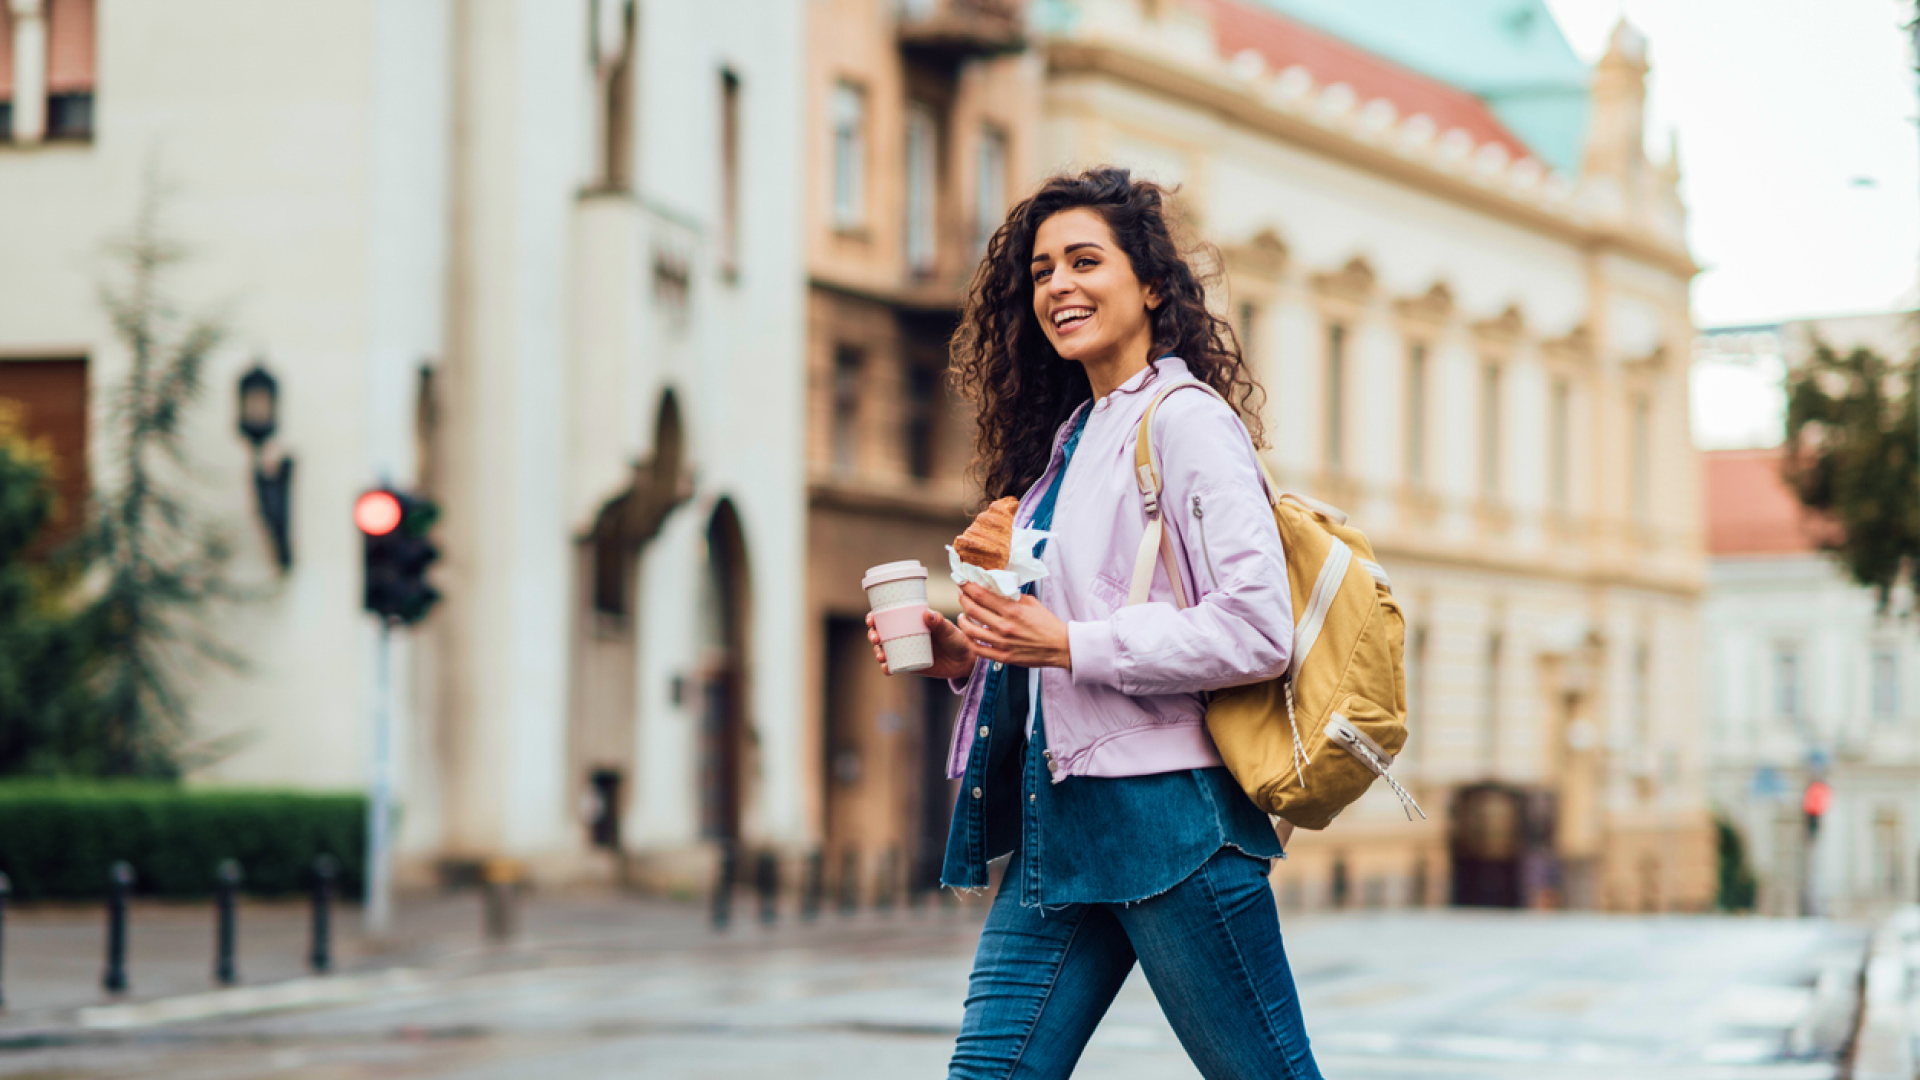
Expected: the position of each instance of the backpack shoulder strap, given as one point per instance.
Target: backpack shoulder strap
(1146, 475)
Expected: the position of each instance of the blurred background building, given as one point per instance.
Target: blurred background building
(1476, 343)
(538, 261)
(1808, 680)
(653, 298)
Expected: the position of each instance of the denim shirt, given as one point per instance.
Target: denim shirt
(1085, 839)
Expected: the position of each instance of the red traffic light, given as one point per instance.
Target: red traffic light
(377, 513)
(1818, 798)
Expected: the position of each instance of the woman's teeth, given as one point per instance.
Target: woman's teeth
(1071, 317)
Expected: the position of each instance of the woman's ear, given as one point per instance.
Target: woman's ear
(1153, 297)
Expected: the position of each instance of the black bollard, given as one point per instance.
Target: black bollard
(226, 882)
(6, 890)
(325, 870)
(814, 884)
(885, 890)
(723, 886)
(766, 881)
(119, 883)
(849, 881)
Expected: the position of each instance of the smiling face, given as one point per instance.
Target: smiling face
(1091, 306)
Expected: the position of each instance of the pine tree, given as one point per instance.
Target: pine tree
(1851, 457)
(159, 569)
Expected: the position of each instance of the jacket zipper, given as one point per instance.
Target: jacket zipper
(1200, 520)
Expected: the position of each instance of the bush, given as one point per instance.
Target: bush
(57, 838)
(1737, 887)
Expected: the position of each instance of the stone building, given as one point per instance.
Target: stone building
(1806, 678)
(1470, 313)
(541, 261)
(919, 131)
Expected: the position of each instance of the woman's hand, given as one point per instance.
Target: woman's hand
(1021, 632)
(952, 655)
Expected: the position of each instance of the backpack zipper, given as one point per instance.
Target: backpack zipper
(1200, 520)
(1371, 754)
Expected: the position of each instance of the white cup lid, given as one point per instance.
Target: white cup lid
(893, 571)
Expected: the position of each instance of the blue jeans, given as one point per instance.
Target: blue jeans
(1210, 947)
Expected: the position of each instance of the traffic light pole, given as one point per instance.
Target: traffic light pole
(379, 898)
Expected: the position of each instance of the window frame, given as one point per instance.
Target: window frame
(1335, 342)
(920, 189)
(991, 183)
(848, 118)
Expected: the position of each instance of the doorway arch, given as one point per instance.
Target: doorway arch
(726, 605)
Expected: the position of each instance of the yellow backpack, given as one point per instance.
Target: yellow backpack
(1346, 686)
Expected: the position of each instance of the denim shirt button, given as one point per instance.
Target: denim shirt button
(976, 793)
(1033, 798)
(983, 731)
(996, 665)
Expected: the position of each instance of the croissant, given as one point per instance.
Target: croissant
(988, 542)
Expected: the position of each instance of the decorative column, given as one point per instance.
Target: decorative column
(29, 70)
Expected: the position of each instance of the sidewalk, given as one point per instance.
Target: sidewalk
(55, 955)
(1888, 1044)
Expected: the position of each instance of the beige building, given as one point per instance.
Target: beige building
(1482, 356)
(920, 125)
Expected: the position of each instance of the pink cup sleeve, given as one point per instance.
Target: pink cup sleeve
(900, 622)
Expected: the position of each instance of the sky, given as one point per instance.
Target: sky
(1799, 154)
(1800, 167)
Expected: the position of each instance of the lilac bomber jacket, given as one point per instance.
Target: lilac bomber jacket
(1132, 704)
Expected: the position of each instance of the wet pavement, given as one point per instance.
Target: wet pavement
(613, 988)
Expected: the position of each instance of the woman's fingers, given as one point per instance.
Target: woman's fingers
(979, 617)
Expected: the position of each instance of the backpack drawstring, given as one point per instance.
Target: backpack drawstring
(1300, 758)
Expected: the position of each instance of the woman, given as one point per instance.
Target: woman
(1081, 738)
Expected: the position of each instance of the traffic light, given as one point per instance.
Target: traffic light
(394, 525)
(1818, 797)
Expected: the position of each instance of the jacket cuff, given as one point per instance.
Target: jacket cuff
(1095, 653)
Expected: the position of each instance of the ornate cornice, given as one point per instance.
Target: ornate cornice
(1520, 193)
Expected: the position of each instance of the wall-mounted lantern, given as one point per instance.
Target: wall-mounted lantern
(272, 466)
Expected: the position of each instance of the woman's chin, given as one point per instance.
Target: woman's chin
(1076, 351)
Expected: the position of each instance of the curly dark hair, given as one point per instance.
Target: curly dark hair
(1003, 363)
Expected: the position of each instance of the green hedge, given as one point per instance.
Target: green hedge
(57, 838)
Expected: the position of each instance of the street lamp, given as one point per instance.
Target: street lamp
(272, 467)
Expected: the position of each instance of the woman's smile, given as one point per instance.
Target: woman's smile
(1066, 320)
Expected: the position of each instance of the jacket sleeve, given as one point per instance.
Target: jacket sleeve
(1240, 629)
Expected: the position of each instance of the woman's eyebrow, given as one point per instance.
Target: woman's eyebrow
(1071, 248)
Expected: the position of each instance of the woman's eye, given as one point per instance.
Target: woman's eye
(1042, 275)
(1084, 261)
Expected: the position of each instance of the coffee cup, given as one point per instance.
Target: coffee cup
(897, 594)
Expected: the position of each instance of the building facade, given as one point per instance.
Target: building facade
(1478, 348)
(653, 299)
(1808, 679)
(921, 119)
(539, 261)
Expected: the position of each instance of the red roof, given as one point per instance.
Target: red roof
(1752, 511)
(1239, 26)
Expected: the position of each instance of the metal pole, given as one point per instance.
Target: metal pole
(849, 881)
(324, 869)
(226, 883)
(815, 882)
(119, 882)
(728, 872)
(767, 884)
(6, 890)
(379, 886)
